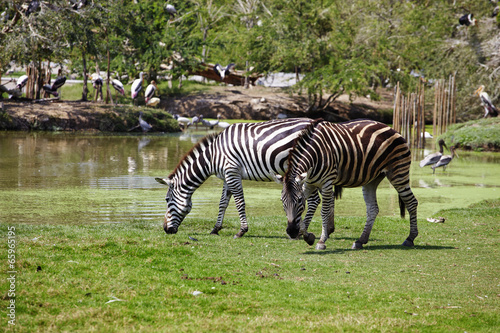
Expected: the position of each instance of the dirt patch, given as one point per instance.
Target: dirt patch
(257, 103)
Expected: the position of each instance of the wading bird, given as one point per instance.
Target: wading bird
(21, 82)
(489, 108)
(170, 9)
(58, 83)
(444, 160)
(434, 157)
(136, 87)
(48, 89)
(118, 87)
(222, 72)
(150, 91)
(210, 123)
(144, 125)
(153, 101)
(467, 20)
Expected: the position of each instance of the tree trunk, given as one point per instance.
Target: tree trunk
(85, 90)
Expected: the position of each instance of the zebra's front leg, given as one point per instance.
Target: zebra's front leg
(327, 214)
(313, 200)
(370, 196)
(224, 202)
(234, 185)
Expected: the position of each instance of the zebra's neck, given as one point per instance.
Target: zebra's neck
(195, 167)
(300, 159)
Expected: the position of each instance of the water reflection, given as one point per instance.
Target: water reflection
(129, 163)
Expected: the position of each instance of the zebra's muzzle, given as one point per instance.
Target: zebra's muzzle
(293, 230)
(169, 230)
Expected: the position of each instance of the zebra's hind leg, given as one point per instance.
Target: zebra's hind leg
(224, 202)
(234, 185)
(370, 196)
(411, 203)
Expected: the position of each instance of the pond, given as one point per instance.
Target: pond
(70, 178)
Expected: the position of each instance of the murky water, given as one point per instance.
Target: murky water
(83, 178)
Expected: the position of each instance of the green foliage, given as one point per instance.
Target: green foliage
(339, 47)
(475, 135)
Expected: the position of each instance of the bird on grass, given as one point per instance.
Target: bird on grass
(21, 81)
(467, 20)
(144, 125)
(48, 89)
(171, 9)
(153, 101)
(58, 83)
(444, 160)
(434, 157)
(136, 86)
(489, 108)
(222, 72)
(150, 91)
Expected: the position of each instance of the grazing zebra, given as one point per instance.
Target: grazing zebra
(350, 154)
(254, 151)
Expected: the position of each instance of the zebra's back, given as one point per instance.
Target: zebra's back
(258, 150)
(355, 152)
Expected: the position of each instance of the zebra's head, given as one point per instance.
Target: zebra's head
(293, 200)
(178, 206)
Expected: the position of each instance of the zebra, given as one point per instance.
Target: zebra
(254, 151)
(328, 157)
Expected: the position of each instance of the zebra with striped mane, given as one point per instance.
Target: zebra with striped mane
(253, 151)
(329, 156)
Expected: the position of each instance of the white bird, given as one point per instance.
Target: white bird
(467, 20)
(136, 86)
(222, 72)
(489, 108)
(223, 124)
(144, 125)
(96, 80)
(153, 101)
(150, 91)
(21, 82)
(210, 123)
(444, 160)
(170, 9)
(118, 86)
(79, 4)
(434, 157)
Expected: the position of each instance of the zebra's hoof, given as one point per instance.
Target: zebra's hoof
(408, 243)
(215, 232)
(356, 246)
(310, 238)
(320, 246)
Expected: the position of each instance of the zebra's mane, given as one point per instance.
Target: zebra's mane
(305, 135)
(199, 147)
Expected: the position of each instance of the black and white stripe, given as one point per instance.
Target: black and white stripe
(253, 151)
(330, 156)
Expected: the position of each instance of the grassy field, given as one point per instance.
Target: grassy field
(134, 277)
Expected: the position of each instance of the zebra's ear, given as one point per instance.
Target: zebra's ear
(301, 178)
(278, 179)
(164, 181)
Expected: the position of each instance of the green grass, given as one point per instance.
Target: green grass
(262, 282)
(482, 134)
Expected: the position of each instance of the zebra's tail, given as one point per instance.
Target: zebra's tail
(338, 192)
(402, 207)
